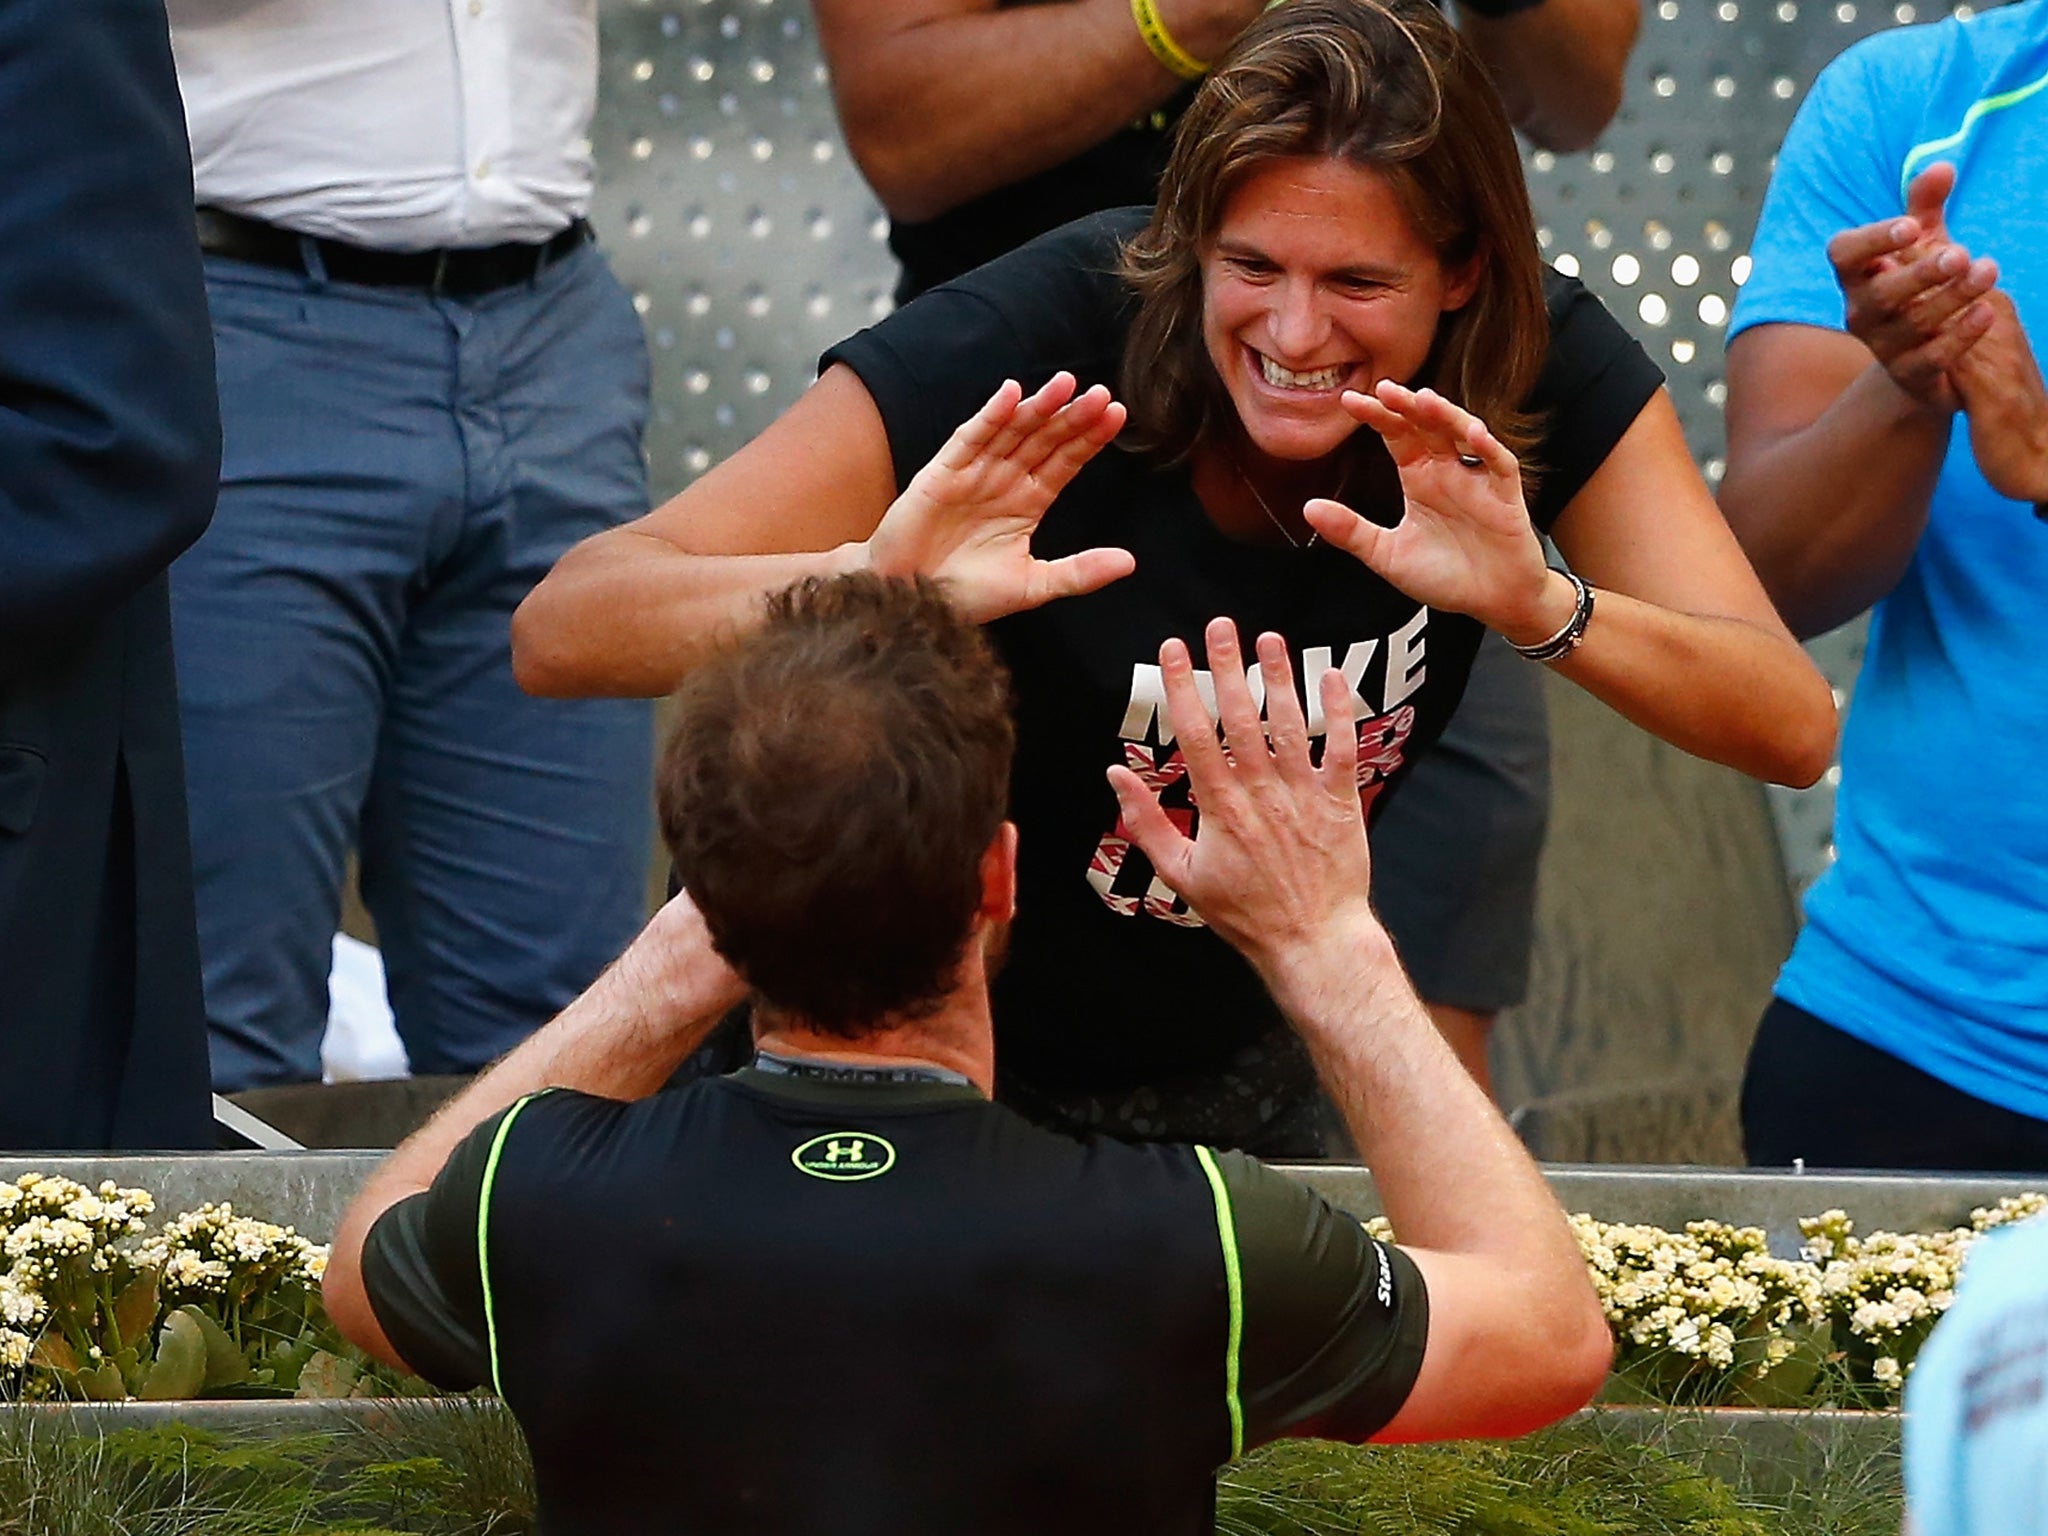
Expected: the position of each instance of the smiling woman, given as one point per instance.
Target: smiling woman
(1317, 283)
(1357, 400)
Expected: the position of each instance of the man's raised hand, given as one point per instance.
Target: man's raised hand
(967, 517)
(2003, 395)
(1911, 294)
(1279, 861)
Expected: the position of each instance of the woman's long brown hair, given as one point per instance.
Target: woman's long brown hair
(1391, 88)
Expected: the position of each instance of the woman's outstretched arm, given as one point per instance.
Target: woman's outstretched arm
(1692, 650)
(630, 611)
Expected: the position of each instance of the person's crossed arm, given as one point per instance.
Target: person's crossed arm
(1279, 867)
(944, 101)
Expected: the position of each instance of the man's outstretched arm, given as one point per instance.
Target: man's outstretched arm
(1279, 867)
(622, 1039)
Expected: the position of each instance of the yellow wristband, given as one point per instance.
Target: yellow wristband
(1168, 52)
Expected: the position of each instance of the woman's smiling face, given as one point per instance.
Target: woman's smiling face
(1317, 282)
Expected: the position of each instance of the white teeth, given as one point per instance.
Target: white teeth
(1282, 378)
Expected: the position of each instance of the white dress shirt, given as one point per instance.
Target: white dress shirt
(400, 124)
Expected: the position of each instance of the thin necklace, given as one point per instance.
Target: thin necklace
(1271, 516)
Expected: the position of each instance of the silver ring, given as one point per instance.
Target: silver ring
(1471, 461)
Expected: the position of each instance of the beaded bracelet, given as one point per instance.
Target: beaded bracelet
(1566, 640)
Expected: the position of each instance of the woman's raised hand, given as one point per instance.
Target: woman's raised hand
(967, 517)
(1464, 543)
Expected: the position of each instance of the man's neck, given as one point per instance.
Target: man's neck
(958, 1037)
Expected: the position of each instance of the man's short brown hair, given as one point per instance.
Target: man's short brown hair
(829, 790)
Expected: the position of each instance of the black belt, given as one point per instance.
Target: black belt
(461, 273)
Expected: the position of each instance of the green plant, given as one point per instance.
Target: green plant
(462, 1470)
(95, 1305)
(1707, 1316)
(57, 1479)
(1575, 1485)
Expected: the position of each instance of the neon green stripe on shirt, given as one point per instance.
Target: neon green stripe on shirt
(1977, 111)
(1233, 1280)
(483, 1234)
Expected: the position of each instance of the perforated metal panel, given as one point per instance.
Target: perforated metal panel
(730, 206)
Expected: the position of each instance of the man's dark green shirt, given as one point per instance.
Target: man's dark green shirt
(781, 1304)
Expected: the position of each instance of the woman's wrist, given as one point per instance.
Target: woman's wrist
(1548, 609)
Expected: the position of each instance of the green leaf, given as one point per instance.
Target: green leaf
(1789, 1383)
(103, 1383)
(180, 1368)
(326, 1375)
(282, 1363)
(226, 1366)
(135, 1310)
(131, 1365)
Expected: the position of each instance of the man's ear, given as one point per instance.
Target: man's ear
(999, 876)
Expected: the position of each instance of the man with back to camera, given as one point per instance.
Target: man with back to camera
(861, 1297)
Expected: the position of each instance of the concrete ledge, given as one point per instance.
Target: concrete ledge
(1670, 1197)
(308, 1190)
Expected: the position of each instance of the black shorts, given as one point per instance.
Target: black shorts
(1816, 1094)
(1455, 853)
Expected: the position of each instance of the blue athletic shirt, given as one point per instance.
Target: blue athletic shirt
(1928, 938)
(1977, 1402)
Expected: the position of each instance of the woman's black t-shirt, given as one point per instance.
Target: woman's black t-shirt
(1111, 981)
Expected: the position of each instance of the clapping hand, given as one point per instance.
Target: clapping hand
(1912, 295)
(2002, 393)
(1279, 859)
(967, 517)
(1464, 542)
(1947, 334)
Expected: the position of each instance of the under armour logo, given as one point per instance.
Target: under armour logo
(845, 1156)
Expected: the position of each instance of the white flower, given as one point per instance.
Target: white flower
(48, 1237)
(20, 1305)
(187, 1271)
(1885, 1371)
(2011, 1208)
